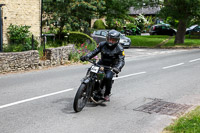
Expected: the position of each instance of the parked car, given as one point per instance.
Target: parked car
(100, 35)
(162, 29)
(193, 30)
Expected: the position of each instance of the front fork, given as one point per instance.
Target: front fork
(89, 86)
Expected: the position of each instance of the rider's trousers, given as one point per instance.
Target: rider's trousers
(108, 81)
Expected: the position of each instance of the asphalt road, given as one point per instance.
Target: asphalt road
(41, 101)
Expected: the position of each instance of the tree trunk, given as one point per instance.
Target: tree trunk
(180, 35)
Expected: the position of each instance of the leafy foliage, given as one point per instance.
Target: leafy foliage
(20, 39)
(18, 34)
(116, 12)
(183, 11)
(130, 26)
(141, 21)
(99, 24)
(73, 15)
(189, 9)
(79, 38)
(81, 50)
(115, 24)
(173, 22)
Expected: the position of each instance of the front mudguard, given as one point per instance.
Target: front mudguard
(86, 80)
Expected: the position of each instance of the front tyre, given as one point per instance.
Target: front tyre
(81, 98)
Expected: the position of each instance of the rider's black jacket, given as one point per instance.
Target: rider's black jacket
(110, 56)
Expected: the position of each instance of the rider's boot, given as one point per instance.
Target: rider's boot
(107, 98)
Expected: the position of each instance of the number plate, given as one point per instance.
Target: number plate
(94, 69)
(126, 43)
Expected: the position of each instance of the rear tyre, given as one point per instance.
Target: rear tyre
(81, 98)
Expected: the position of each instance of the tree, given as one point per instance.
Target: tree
(84, 10)
(183, 11)
(116, 11)
(73, 15)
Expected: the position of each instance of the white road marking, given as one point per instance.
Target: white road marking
(194, 60)
(172, 66)
(34, 98)
(55, 93)
(125, 76)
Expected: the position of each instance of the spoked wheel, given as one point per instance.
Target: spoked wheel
(81, 98)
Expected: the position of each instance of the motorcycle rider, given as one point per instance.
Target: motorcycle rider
(112, 54)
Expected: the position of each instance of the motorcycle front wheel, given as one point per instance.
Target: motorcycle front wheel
(81, 98)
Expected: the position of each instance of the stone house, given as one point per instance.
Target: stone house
(146, 11)
(21, 12)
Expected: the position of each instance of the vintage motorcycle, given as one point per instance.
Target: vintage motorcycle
(92, 87)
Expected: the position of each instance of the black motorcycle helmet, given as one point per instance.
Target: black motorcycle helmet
(113, 38)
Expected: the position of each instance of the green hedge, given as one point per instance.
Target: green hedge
(78, 38)
(99, 24)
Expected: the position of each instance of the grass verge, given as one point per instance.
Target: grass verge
(147, 41)
(190, 123)
(156, 40)
(188, 43)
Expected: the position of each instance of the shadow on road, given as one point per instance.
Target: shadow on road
(67, 104)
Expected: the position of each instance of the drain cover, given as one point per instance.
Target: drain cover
(162, 107)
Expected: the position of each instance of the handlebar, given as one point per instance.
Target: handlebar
(94, 62)
(108, 67)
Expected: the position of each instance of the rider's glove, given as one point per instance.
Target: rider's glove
(116, 70)
(84, 58)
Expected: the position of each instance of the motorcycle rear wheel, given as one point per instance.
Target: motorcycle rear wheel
(81, 98)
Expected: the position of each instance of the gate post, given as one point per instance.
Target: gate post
(1, 29)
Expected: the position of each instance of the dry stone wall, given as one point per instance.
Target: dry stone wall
(58, 56)
(29, 60)
(19, 61)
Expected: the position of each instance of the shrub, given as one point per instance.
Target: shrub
(116, 24)
(56, 43)
(77, 52)
(130, 26)
(20, 39)
(141, 21)
(13, 48)
(18, 34)
(99, 24)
